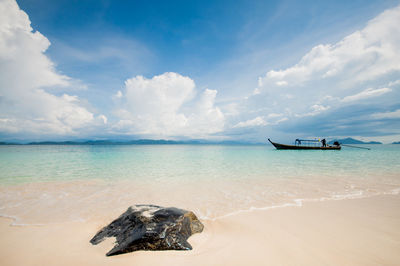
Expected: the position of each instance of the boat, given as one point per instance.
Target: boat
(304, 144)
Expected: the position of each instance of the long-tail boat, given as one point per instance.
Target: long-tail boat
(304, 144)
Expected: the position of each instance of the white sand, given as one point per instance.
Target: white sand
(346, 232)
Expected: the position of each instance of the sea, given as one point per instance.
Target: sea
(43, 184)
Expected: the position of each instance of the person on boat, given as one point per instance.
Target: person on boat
(323, 142)
(298, 142)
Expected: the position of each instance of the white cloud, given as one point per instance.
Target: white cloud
(281, 120)
(103, 118)
(394, 83)
(331, 78)
(166, 105)
(273, 115)
(368, 93)
(21, 51)
(256, 91)
(288, 95)
(118, 95)
(281, 83)
(319, 108)
(394, 114)
(231, 109)
(316, 109)
(25, 73)
(256, 122)
(162, 95)
(361, 56)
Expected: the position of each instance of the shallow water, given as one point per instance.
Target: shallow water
(46, 184)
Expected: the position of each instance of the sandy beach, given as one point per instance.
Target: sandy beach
(342, 232)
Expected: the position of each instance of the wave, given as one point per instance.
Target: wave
(299, 203)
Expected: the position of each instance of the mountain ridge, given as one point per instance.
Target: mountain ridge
(134, 142)
(353, 141)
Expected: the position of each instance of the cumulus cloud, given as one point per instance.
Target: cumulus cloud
(117, 96)
(361, 69)
(258, 121)
(368, 93)
(168, 105)
(26, 75)
(271, 119)
(316, 109)
(361, 56)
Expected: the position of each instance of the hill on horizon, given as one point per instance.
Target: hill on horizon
(353, 141)
(131, 142)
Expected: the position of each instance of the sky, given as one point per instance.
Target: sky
(214, 70)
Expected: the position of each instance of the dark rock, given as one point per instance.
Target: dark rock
(150, 227)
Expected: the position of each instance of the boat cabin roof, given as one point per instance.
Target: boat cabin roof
(309, 140)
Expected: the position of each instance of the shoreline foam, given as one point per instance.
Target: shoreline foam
(295, 203)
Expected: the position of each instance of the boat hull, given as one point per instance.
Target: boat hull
(279, 146)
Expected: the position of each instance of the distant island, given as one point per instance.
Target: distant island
(396, 142)
(132, 142)
(167, 142)
(353, 141)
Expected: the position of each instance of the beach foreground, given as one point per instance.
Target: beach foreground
(342, 232)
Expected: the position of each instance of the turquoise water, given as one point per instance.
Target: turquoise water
(51, 163)
(214, 180)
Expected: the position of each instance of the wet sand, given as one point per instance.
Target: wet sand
(343, 232)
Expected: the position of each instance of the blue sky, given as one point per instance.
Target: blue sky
(241, 70)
